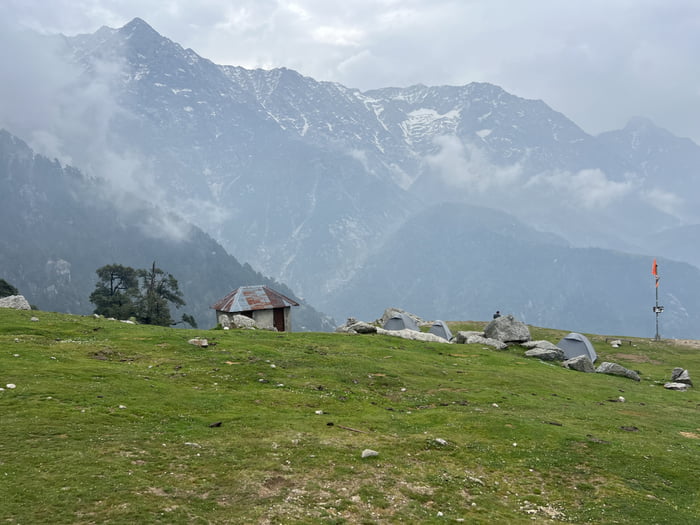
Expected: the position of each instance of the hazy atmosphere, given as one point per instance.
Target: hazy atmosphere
(598, 62)
(323, 143)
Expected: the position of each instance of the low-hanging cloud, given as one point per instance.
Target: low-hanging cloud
(65, 114)
(670, 203)
(467, 167)
(591, 187)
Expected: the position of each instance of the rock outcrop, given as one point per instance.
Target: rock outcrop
(17, 302)
(507, 329)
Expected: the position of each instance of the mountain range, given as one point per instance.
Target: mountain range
(455, 200)
(59, 226)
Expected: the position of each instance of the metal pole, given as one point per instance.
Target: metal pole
(656, 310)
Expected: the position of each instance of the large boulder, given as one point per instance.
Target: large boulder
(508, 330)
(681, 375)
(580, 363)
(17, 302)
(617, 370)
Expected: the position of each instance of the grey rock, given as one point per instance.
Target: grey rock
(462, 336)
(681, 375)
(508, 330)
(495, 343)
(34, 319)
(369, 453)
(681, 387)
(616, 370)
(360, 327)
(242, 321)
(580, 363)
(413, 335)
(546, 354)
(345, 328)
(17, 302)
(201, 342)
(539, 344)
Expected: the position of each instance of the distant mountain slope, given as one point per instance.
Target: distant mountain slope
(308, 180)
(292, 207)
(669, 165)
(681, 244)
(463, 262)
(57, 228)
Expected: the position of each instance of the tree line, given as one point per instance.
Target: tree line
(123, 292)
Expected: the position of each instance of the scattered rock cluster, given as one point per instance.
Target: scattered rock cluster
(503, 332)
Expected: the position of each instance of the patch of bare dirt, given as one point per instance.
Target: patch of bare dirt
(692, 343)
(636, 358)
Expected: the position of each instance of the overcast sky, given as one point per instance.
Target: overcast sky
(597, 61)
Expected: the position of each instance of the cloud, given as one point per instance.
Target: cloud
(338, 36)
(668, 202)
(466, 167)
(66, 115)
(589, 188)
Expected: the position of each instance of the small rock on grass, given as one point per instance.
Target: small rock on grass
(368, 453)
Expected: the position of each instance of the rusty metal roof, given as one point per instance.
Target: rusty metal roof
(248, 298)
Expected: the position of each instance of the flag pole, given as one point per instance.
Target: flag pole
(657, 309)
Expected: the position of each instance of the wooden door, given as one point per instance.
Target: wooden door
(278, 319)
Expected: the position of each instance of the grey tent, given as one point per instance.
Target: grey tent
(575, 345)
(400, 322)
(441, 329)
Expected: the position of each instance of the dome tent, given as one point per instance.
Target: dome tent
(441, 329)
(575, 345)
(400, 321)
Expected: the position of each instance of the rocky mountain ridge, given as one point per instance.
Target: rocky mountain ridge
(308, 180)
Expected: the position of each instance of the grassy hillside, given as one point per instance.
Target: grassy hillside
(111, 423)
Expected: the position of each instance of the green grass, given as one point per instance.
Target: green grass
(525, 439)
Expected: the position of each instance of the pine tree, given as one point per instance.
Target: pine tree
(157, 290)
(116, 292)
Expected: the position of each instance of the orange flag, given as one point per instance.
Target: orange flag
(654, 269)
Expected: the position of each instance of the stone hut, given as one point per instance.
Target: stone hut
(269, 309)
